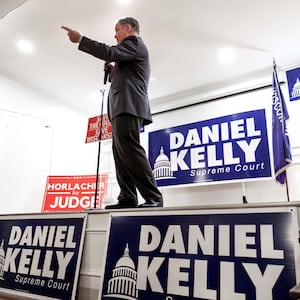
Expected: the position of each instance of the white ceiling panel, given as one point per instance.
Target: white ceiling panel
(183, 38)
(6, 6)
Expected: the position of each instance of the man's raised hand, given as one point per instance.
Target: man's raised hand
(74, 35)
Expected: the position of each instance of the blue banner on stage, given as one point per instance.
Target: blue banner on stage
(41, 255)
(233, 147)
(177, 256)
(293, 78)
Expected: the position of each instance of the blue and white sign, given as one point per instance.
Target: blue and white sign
(214, 255)
(232, 147)
(41, 255)
(293, 78)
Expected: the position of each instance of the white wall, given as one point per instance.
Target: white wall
(38, 138)
(41, 138)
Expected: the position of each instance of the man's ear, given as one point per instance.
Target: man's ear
(129, 28)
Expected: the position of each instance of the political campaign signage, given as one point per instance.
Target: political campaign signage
(41, 255)
(233, 147)
(201, 255)
(74, 193)
(282, 156)
(97, 126)
(293, 79)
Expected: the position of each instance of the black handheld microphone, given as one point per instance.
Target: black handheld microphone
(106, 71)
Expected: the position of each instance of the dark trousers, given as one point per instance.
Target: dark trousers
(132, 166)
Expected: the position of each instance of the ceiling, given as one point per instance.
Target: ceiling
(183, 38)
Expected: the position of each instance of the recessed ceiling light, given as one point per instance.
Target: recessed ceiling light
(25, 46)
(124, 1)
(226, 55)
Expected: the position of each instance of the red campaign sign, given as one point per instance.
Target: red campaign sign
(93, 131)
(73, 193)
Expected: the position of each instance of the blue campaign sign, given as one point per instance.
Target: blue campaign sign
(176, 256)
(41, 255)
(293, 78)
(233, 147)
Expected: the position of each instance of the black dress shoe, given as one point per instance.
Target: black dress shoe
(121, 205)
(151, 203)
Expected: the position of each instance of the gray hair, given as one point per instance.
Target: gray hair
(132, 22)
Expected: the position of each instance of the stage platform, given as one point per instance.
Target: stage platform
(97, 231)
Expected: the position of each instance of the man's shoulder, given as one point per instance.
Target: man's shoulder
(135, 44)
(133, 39)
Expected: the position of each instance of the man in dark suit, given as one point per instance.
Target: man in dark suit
(128, 109)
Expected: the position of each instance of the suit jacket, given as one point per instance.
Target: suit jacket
(128, 92)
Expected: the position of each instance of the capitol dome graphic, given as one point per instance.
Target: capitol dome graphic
(296, 89)
(122, 285)
(162, 167)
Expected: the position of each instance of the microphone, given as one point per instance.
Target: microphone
(106, 71)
